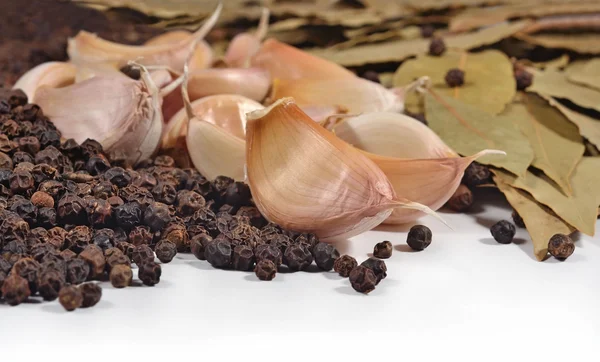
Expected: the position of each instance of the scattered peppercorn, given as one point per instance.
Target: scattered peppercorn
(561, 246)
(218, 253)
(198, 245)
(523, 78)
(149, 273)
(77, 271)
(325, 255)
(91, 292)
(243, 258)
(121, 276)
(70, 297)
(437, 47)
(141, 254)
(297, 257)
(503, 231)
(265, 270)
(476, 174)
(461, 200)
(15, 289)
(377, 266)
(363, 279)
(94, 256)
(419, 237)
(383, 250)
(344, 265)
(455, 77)
(165, 251)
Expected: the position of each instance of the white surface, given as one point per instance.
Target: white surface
(465, 297)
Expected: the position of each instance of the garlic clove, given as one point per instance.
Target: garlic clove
(304, 178)
(88, 48)
(243, 46)
(403, 136)
(430, 182)
(322, 114)
(121, 113)
(286, 62)
(170, 37)
(91, 70)
(50, 74)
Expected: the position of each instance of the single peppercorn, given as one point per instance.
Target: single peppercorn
(77, 271)
(91, 292)
(377, 266)
(165, 251)
(437, 47)
(269, 252)
(325, 255)
(121, 276)
(165, 193)
(94, 256)
(156, 216)
(126, 248)
(427, 30)
(128, 215)
(15, 289)
(561, 246)
(503, 231)
(149, 273)
(49, 284)
(78, 238)
(265, 270)
(29, 269)
(363, 279)
(461, 200)
(198, 245)
(42, 199)
(243, 258)
(517, 219)
(70, 297)
(523, 78)
(419, 237)
(218, 253)
(21, 181)
(382, 250)
(141, 254)
(297, 257)
(71, 209)
(140, 235)
(344, 265)
(455, 77)
(476, 174)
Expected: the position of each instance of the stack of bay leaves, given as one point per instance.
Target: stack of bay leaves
(550, 131)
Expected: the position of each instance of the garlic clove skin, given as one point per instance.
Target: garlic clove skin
(403, 136)
(50, 74)
(89, 48)
(304, 178)
(322, 114)
(243, 46)
(286, 62)
(171, 37)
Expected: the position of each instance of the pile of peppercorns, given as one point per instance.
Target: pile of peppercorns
(71, 215)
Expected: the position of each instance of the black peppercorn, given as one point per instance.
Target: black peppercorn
(128, 215)
(561, 246)
(419, 237)
(94, 256)
(243, 258)
(126, 248)
(269, 252)
(97, 164)
(437, 47)
(325, 255)
(188, 202)
(117, 176)
(198, 245)
(78, 238)
(22, 157)
(455, 77)
(49, 284)
(71, 209)
(218, 253)
(254, 216)
(140, 235)
(21, 181)
(297, 257)
(377, 266)
(476, 174)
(91, 292)
(141, 254)
(176, 233)
(523, 78)
(237, 194)
(121, 276)
(29, 269)
(156, 216)
(42, 199)
(344, 265)
(25, 209)
(165, 193)
(70, 297)
(363, 279)
(427, 30)
(77, 271)
(15, 289)
(265, 270)
(503, 231)
(461, 200)
(382, 250)
(149, 273)
(165, 251)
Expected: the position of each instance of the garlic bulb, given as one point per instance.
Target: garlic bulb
(121, 113)
(243, 46)
(286, 62)
(50, 74)
(304, 178)
(88, 48)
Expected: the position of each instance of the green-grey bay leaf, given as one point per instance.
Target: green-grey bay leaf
(586, 43)
(557, 145)
(468, 130)
(554, 83)
(483, 71)
(587, 74)
(588, 127)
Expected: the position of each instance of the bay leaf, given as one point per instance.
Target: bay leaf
(579, 209)
(556, 63)
(557, 145)
(588, 127)
(541, 223)
(468, 130)
(554, 83)
(387, 79)
(487, 70)
(585, 43)
(398, 50)
(167, 9)
(586, 73)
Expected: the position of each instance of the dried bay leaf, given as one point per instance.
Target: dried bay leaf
(541, 223)
(557, 145)
(401, 49)
(468, 130)
(588, 127)
(554, 83)
(585, 73)
(489, 81)
(579, 209)
(586, 43)
(557, 63)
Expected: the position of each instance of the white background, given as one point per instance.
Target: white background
(464, 298)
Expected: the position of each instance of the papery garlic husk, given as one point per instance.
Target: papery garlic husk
(355, 94)
(50, 74)
(89, 48)
(286, 62)
(172, 37)
(122, 114)
(324, 115)
(243, 46)
(304, 178)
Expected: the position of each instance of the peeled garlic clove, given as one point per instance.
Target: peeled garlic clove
(253, 83)
(121, 113)
(304, 178)
(50, 74)
(393, 135)
(170, 37)
(244, 46)
(430, 182)
(286, 62)
(88, 48)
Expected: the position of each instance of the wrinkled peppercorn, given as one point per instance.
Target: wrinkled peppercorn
(165, 193)
(149, 273)
(176, 233)
(78, 238)
(94, 256)
(243, 258)
(97, 164)
(198, 245)
(269, 252)
(77, 271)
(70, 297)
(265, 270)
(503, 231)
(476, 174)
(26, 210)
(363, 279)
(455, 78)
(419, 237)
(165, 251)
(15, 289)
(344, 265)
(121, 276)
(91, 292)
(99, 213)
(141, 254)
(21, 181)
(71, 209)
(382, 250)
(29, 269)
(140, 235)
(156, 216)
(128, 215)
(427, 30)
(437, 47)
(297, 257)
(189, 202)
(325, 255)
(377, 266)
(561, 246)
(523, 78)
(42, 199)
(49, 284)
(461, 200)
